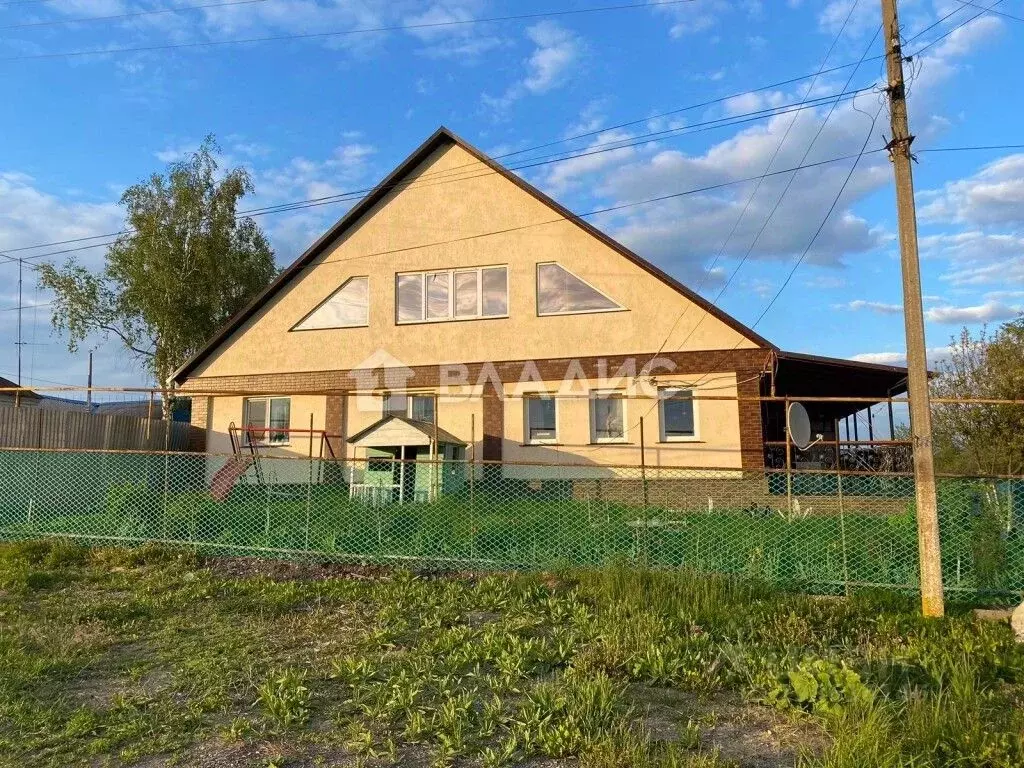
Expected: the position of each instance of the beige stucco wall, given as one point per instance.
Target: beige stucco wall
(443, 220)
(228, 410)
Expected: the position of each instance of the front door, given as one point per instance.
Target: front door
(405, 473)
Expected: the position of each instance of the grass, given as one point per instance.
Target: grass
(156, 657)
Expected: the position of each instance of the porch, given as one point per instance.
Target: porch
(406, 460)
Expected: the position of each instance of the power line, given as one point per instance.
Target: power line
(135, 14)
(757, 187)
(452, 174)
(785, 191)
(949, 32)
(970, 149)
(346, 32)
(600, 211)
(821, 227)
(341, 197)
(24, 306)
(568, 139)
(990, 10)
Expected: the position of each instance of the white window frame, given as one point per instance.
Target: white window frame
(267, 429)
(411, 396)
(608, 394)
(665, 393)
(536, 295)
(408, 397)
(528, 439)
(452, 272)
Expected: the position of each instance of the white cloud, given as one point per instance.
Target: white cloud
(865, 17)
(556, 54)
(977, 258)
(29, 216)
(994, 195)
(873, 306)
(935, 355)
(990, 311)
(691, 18)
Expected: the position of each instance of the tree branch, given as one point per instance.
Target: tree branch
(124, 339)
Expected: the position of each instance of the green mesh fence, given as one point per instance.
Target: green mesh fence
(822, 531)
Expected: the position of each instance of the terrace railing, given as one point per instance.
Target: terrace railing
(822, 530)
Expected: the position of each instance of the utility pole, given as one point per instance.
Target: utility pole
(913, 315)
(19, 343)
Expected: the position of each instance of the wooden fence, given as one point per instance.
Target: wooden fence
(46, 428)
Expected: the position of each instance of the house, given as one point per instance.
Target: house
(11, 396)
(458, 311)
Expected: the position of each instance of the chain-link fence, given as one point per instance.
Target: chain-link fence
(824, 531)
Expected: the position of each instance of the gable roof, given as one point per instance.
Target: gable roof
(10, 386)
(441, 137)
(426, 427)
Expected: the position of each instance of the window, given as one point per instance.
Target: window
(421, 408)
(396, 404)
(347, 307)
(541, 419)
(262, 415)
(607, 417)
(560, 292)
(677, 414)
(451, 294)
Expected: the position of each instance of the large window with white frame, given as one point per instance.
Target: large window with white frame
(541, 416)
(678, 414)
(451, 294)
(266, 420)
(607, 417)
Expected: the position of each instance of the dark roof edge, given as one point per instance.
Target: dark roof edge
(440, 136)
(841, 362)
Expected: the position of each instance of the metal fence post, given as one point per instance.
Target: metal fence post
(471, 466)
(842, 533)
(645, 523)
(309, 484)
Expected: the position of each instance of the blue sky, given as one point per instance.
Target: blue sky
(317, 116)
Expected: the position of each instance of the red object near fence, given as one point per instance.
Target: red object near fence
(226, 477)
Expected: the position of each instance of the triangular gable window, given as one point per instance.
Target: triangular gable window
(347, 307)
(560, 292)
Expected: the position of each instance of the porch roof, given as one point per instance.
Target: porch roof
(396, 430)
(802, 375)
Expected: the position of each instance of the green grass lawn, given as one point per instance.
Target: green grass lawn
(497, 530)
(156, 657)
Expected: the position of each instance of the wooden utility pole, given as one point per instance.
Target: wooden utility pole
(913, 313)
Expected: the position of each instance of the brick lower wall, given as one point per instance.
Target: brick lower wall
(748, 365)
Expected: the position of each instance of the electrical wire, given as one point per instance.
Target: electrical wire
(477, 172)
(990, 10)
(586, 134)
(347, 32)
(750, 198)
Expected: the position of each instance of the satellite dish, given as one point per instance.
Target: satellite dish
(799, 425)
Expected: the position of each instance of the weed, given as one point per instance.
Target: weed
(285, 698)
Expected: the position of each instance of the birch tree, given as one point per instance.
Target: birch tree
(184, 264)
